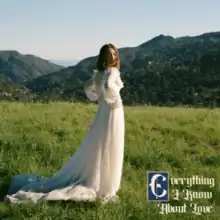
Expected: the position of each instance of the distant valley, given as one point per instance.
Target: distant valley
(162, 71)
(65, 63)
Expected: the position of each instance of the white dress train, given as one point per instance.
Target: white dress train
(95, 169)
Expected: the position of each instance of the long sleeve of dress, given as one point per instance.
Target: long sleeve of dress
(113, 85)
(91, 90)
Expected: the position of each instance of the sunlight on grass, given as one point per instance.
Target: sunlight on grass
(39, 138)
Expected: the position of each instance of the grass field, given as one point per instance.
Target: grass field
(39, 138)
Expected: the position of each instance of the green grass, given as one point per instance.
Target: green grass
(39, 138)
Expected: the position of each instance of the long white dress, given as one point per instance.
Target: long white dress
(95, 169)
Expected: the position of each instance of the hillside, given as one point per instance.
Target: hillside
(183, 142)
(20, 68)
(11, 91)
(162, 71)
(51, 85)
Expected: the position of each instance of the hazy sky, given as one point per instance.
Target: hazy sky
(75, 29)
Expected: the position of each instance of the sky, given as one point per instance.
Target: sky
(76, 29)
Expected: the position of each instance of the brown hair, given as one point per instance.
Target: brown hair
(108, 57)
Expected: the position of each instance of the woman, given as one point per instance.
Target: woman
(95, 170)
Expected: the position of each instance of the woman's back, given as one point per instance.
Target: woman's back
(105, 87)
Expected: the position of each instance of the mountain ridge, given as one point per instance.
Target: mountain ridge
(147, 70)
(20, 67)
(164, 70)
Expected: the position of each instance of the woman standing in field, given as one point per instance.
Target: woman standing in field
(95, 170)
